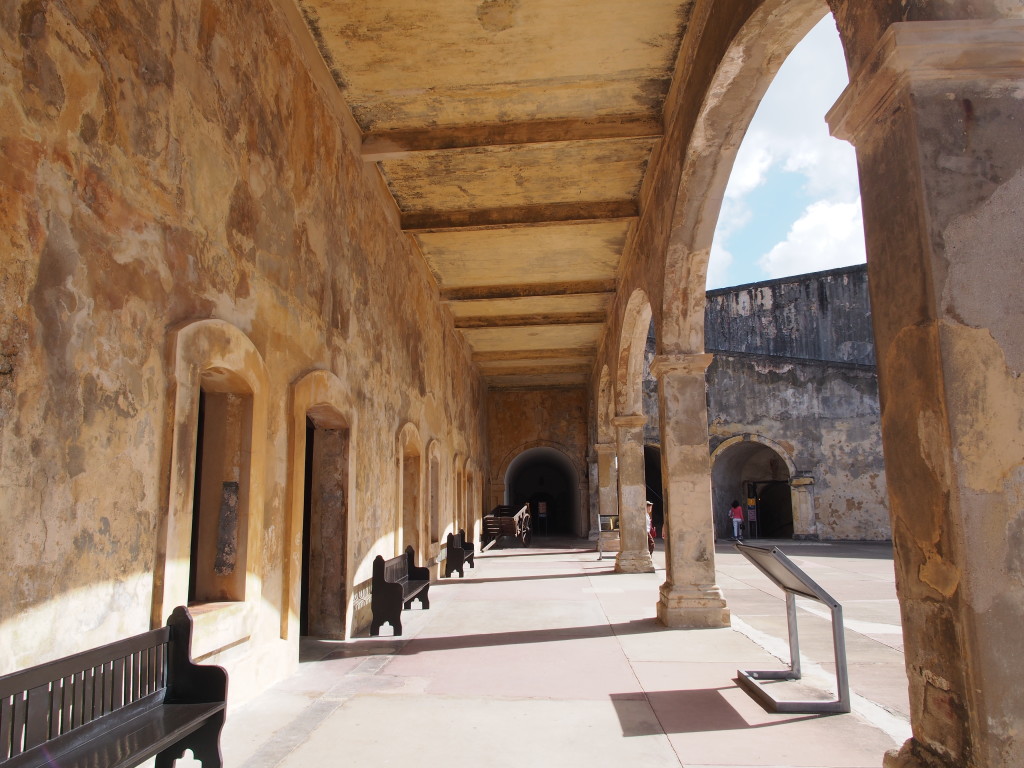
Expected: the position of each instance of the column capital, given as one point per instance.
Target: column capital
(690, 365)
(605, 448)
(630, 420)
(912, 52)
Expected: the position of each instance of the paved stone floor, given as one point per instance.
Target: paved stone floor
(546, 657)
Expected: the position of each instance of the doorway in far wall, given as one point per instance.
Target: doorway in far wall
(325, 517)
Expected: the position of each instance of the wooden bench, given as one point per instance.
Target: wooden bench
(501, 523)
(460, 552)
(396, 583)
(116, 706)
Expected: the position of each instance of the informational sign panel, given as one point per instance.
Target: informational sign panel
(774, 564)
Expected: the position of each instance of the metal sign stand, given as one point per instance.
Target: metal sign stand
(793, 581)
(608, 531)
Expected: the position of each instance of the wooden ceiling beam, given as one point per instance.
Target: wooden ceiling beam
(546, 318)
(418, 222)
(580, 353)
(394, 145)
(525, 289)
(533, 370)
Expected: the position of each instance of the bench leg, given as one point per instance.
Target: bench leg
(204, 743)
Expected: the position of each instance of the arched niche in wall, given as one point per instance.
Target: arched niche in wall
(209, 558)
(434, 491)
(317, 598)
(410, 519)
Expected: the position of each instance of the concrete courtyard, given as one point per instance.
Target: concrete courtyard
(546, 657)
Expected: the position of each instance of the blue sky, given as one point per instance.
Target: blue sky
(793, 201)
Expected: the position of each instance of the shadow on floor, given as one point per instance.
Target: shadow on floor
(859, 550)
(701, 710)
(314, 649)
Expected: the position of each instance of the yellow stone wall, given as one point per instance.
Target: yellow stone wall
(165, 163)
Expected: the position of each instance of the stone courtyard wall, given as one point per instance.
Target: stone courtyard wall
(165, 163)
(519, 420)
(826, 418)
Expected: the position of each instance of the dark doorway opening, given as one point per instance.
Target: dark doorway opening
(322, 610)
(773, 502)
(544, 479)
(655, 493)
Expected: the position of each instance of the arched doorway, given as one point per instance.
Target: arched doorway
(545, 479)
(757, 475)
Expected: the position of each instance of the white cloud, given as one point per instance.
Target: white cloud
(749, 170)
(828, 235)
(718, 266)
(789, 133)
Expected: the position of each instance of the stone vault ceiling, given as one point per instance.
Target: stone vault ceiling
(514, 136)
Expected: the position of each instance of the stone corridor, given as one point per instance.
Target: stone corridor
(546, 657)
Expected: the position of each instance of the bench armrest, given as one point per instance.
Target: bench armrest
(188, 681)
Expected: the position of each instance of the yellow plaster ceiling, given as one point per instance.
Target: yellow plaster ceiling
(514, 136)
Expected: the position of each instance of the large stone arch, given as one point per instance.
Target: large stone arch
(780, 449)
(322, 396)
(215, 356)
(605, 407)
(740, 81)
(636, 322)
(800, 486)
(579, 476)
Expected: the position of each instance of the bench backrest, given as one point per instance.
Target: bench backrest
(394, 570)
(45, 702)
(456, 540)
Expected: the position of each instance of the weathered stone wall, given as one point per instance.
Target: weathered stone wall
(824, 316)
(519, 420)
(819, 400)
(164, 163)
(825, 417)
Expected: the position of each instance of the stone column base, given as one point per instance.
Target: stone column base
(634, 562)
(692, 609)
(912, 755)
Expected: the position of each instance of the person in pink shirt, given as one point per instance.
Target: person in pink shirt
(736, 515)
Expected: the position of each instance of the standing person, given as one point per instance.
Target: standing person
(736, 515)
(650, 536)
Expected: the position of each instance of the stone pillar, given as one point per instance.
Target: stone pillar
(634, 556)
(805, 525)
(593, 502)
(937, 115)
(607, 481)
(690, 596)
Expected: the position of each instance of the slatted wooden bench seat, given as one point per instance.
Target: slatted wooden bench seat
(460, 552)
(500, 523)
(116, 706)
(396, 583)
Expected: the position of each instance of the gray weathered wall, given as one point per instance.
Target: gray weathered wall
(794, 365)
(823, 316)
